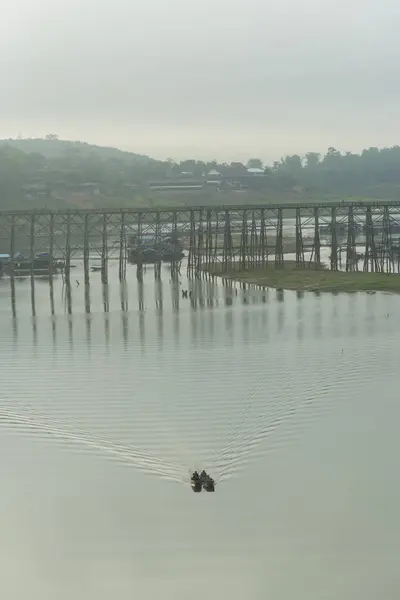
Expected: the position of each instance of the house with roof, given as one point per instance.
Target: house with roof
(255, 171)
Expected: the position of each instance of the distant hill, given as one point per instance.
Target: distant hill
(53, 148)
(54, 173)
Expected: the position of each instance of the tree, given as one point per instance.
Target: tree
(255, 163)
(332, 157)
(312, 160)
(292, 164)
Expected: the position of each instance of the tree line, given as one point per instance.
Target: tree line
(47, 163)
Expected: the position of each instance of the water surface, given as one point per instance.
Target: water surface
(289, 399)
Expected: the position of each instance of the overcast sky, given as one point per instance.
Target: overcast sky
(211, 79)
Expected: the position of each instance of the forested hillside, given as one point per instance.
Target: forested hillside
(55, 173)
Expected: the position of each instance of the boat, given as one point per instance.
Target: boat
(196, 483)
(147, 249)
(207, 482)
(39, 266)
(209, 485)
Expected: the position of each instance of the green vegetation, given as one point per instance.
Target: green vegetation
(53, 173)
(311, 277)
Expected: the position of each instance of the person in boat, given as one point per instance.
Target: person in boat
(203, 475)
(195, 476)
(207, 481)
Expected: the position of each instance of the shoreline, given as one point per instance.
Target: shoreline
(311, 278)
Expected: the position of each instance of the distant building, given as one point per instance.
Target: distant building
(213, 173)
(255, 171)
(176, 185)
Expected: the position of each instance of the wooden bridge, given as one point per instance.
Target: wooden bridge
(365, 233)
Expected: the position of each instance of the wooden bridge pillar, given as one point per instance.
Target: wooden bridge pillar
(209, 242)
(12, 248)
(192, 244)
(51, 247)
(122, 250)
(351, 250)
(139, 258)
(32, 265)
(12, 266)
(86, 250)
(227, 252)
(299, 240)
(200, 246)
(317, 240)
(104, 252)
(174, 235)
(279, 257)
(32, 248)
(334, 244)
(157, 266)
(67, 268)
(370, 255)
(254, 257)
(244, 242)
(387, 254)
(263, 247)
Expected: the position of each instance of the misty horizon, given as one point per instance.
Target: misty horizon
(205, 160)
(226, 83)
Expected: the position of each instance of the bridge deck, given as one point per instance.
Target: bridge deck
(214, 208)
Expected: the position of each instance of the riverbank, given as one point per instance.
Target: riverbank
(310, 278)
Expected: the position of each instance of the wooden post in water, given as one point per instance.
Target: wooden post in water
(263, 240)
(157, 266)
(86, 250)
(317, 240)
(32, 248)
(199, 251)
(12, 248)
(104, 252)
(139, 253)
(51, 262)
(32, 263)
(387, 254)
(227, 253)
(51, 286)
(299, 240)
(253, 241)
(244, 250)
(12, 264)
(279, 258)
(51, 248)
(192, 243)
(370, 255)
(67, 267)
(334, 246)
(176, 245)
(87, 299)
(122, 250)
(351, 252)
(123, 294)
(69, 299)
(209, 241)
(106, 303)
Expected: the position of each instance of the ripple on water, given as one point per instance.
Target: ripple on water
(218, 384)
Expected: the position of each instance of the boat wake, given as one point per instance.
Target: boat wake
(43, 425)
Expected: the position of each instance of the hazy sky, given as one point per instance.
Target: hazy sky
(212, 79)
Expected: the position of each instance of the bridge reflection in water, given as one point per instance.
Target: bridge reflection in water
(184, 304)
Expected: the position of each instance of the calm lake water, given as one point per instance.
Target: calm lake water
(290, 402)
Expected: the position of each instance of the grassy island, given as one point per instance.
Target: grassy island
(311, 277)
